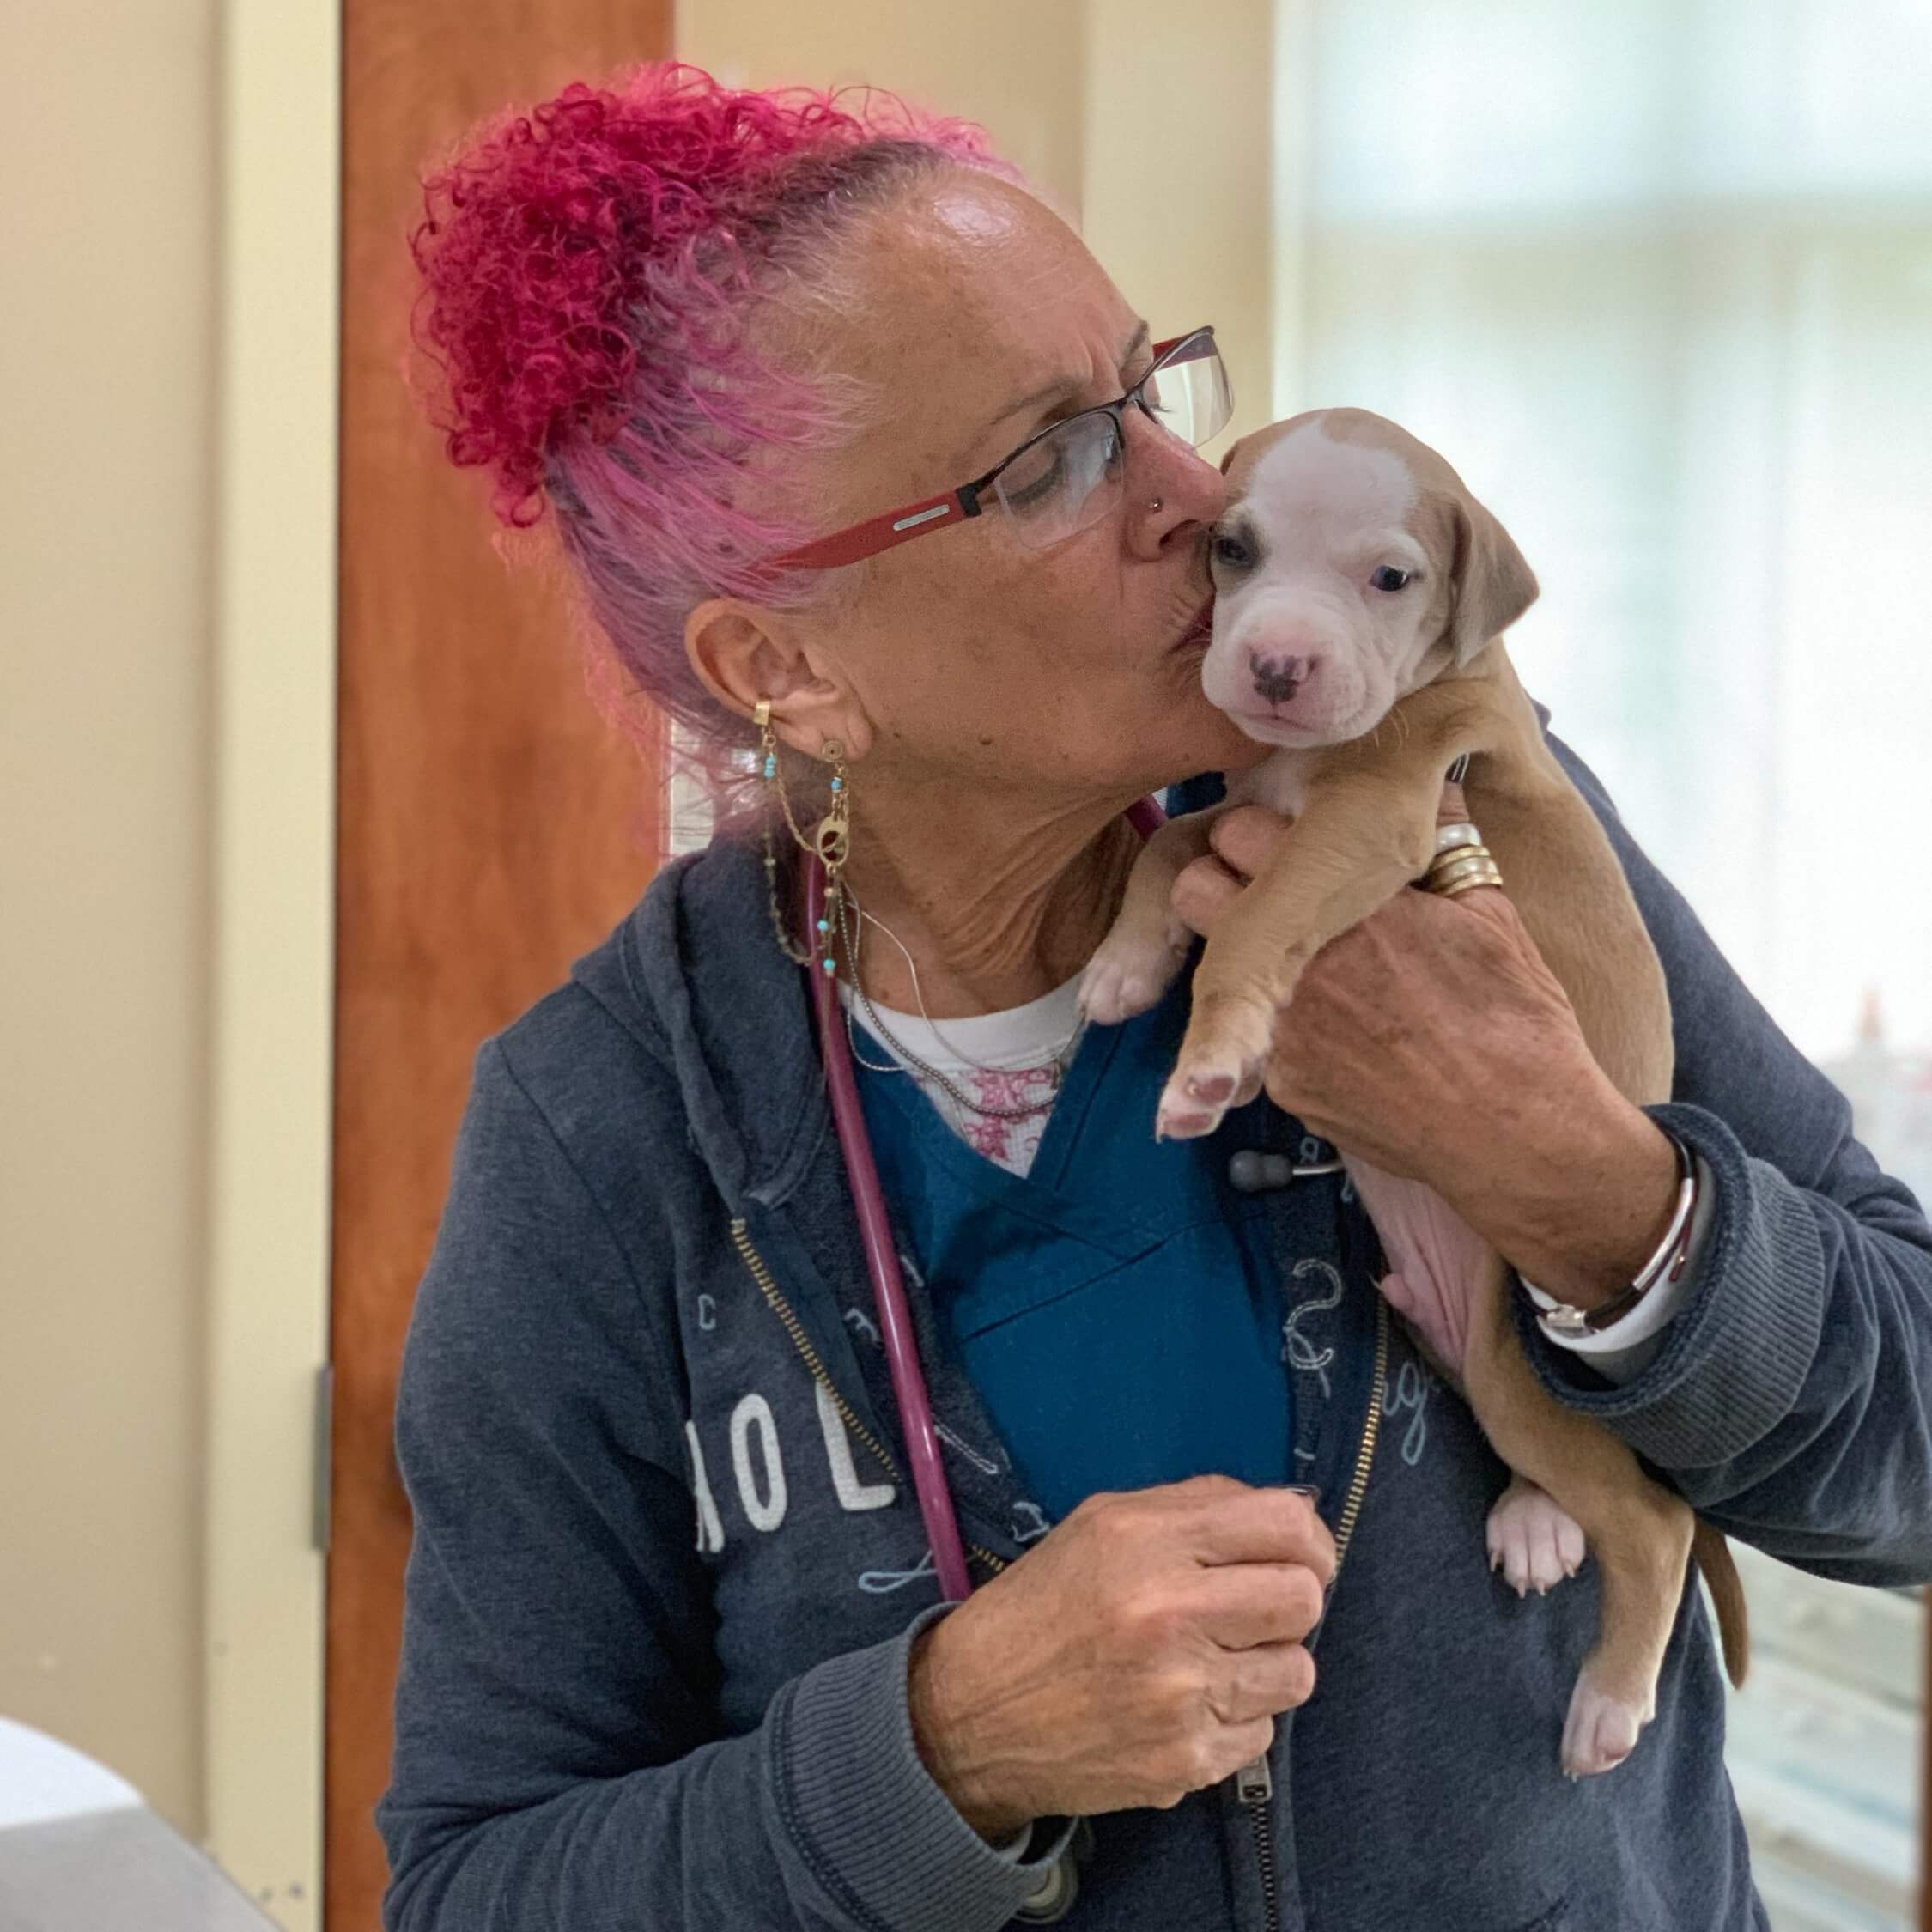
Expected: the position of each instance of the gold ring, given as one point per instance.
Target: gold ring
(1490, 878)
(1460, 862)
(1465, 865)
(1456, 852)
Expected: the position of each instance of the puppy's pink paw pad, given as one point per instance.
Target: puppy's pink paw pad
(1532, 1541)
(1600, 1732)
(1127, 976)
(1107, 996)
(1185, 1121)
(1201, 1090)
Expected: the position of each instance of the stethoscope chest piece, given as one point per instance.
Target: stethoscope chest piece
(1253, 1171)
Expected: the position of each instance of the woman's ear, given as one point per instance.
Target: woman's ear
(742, 653)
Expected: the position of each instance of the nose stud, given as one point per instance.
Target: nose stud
(1277, 679)
(1155, 504)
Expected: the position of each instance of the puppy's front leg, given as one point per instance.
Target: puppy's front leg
(1360, 838)
(1146, 946)
(1366, 828)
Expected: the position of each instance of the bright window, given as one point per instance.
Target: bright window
(1655, 275)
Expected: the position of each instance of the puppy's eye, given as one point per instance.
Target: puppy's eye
(1231, 552)
(1389, 578)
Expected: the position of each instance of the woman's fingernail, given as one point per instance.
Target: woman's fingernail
(1309, 1490)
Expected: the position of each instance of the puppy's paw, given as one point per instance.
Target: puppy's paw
(1128, 976)
(1600, 1731)
(1532, 1541)
(1221, 1063)
(1194, 1105)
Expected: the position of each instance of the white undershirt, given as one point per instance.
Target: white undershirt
(1006, 1059)
(1009, 1058)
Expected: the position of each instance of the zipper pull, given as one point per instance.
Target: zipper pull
(1254, 1783)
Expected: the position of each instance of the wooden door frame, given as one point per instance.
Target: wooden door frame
(490, 826)
(273, 837)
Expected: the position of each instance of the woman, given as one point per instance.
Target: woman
(674, 1652)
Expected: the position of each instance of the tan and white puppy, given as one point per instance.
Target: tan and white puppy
(1360, 590)
(1350, 568)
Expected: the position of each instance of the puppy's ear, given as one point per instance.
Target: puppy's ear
(1493, 586)
(1233, 450)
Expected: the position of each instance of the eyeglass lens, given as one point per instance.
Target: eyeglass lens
(1071, 478)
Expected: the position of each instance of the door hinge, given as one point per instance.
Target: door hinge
(324, 1414)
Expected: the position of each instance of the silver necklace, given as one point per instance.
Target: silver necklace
(1017, 1112)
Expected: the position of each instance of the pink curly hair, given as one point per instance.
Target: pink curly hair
(594, 269)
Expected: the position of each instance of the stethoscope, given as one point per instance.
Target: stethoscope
(1252, 1171)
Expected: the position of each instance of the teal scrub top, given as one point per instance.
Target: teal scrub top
(1117, 1307)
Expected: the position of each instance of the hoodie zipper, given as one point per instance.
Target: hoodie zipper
(1254, 1783)
(774, 1299)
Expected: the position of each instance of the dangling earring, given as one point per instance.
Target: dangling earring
(768, 739)
(768, 766)
(830, 841)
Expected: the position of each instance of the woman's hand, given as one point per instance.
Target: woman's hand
(1139, 1651)
(1433, 1041)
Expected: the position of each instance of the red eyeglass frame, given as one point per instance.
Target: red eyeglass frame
(860, 540)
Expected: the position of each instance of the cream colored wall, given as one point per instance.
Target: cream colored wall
(1013, 65)
(166, 695)
(108, 202)
(1175, 179)
(1154, 138)
(273, 859)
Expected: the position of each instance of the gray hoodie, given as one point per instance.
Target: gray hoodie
(667, 1563)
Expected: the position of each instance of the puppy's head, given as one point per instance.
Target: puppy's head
(1350, 566)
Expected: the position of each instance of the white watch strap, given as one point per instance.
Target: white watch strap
(1622, 1351)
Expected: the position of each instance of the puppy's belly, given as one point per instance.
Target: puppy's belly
(1434, 1258)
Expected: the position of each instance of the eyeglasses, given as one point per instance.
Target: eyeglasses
(1067, 478)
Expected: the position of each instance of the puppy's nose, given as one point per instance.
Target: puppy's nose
(1277, 679)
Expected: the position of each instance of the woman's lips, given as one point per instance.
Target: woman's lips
(1200, 632)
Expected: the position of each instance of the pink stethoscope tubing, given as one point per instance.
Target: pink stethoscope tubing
(882, 1259)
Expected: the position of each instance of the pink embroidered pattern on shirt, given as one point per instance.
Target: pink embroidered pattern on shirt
(1005, 1139)
(994, 1138)
(1007, 1087)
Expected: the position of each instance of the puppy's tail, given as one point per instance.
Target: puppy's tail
(1713, 1555)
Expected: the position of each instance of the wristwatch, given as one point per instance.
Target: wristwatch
(1567, 1323)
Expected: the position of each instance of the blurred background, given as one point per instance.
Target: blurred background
(276, 718)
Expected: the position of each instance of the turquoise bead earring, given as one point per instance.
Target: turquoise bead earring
(833, 843)
(830, 840)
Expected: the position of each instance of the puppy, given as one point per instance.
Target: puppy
(1360, 593)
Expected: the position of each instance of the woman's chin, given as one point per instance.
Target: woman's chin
(1209, 740)
(1244, 752)
(1234, 749)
